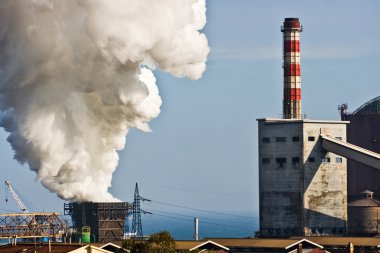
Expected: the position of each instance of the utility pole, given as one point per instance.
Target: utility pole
(137, 231)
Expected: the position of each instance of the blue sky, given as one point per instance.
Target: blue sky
(202, 152)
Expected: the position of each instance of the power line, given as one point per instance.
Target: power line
(202, 222)
(201, 210)
(202, 218)
(199, 191)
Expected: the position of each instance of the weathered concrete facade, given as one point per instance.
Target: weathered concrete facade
(303, 188)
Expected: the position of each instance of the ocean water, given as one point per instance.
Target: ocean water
(231, 227)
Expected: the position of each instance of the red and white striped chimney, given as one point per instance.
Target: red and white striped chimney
(292, 69)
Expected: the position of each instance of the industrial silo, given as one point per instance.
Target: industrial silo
(363, 131)
(364, 215)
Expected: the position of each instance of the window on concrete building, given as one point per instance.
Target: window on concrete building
(266, 139)
(266, 160)
(311, 160)
(311, 138)
(339, 160)
(325, 159)
(281, 161)
(295, 160)
(296, 139)
(338, 138)
(280, 139)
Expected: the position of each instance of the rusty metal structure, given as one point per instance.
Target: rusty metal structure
(31, 225)
(106, 220)
(292, 68)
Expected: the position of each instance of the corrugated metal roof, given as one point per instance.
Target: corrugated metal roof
(62, 248)
(365, 203)
(283, 243)
(334, 240)
(187, 244)
(190, 245)
(370, 107)
(255, 242)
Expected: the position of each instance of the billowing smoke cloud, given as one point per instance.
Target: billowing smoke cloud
(76, 75)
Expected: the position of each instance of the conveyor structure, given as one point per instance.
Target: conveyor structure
(351, 151)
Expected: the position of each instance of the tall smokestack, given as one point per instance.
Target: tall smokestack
(292, 69)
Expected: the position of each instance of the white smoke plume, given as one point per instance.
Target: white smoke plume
(76, 75)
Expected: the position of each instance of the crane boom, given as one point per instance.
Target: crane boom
(16, 198)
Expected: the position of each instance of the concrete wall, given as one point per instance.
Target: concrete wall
(364, 221)
(325, 182)
(300, 197)
(280, 186)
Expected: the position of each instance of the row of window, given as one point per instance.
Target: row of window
(314, 231)
(281, 161)
(294, 139)
(283, 139)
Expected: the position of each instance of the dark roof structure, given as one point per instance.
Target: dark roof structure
(366, 200)
(369, 108)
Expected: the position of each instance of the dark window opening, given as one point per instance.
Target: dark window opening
(339, 160)
(311, 160)
(338, 138)
(280, 139)
(296, 139)
(281, 161)
(266, 140)
(295, 160)
(311, 138)
(325, 159)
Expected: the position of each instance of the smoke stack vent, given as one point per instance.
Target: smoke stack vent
(292, 68)
(196, 227)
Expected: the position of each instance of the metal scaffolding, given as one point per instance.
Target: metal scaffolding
(105, 219)
(31, 225)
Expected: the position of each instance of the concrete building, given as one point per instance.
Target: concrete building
(302, 187)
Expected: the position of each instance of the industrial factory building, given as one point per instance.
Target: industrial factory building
(363, 180)
(102, 221)
(363, 131)
(302, 163)
(302, 187)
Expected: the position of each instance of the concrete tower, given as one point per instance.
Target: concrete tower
(302, 163)
(302, 186)
(292, 69)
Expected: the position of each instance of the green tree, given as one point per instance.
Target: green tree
(161, 242)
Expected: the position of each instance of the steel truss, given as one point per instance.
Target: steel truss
(29, 225)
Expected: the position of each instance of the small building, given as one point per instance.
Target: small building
(302, 187)
(201, 246)
(53, 248)
(364, 215)
(264, 245)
